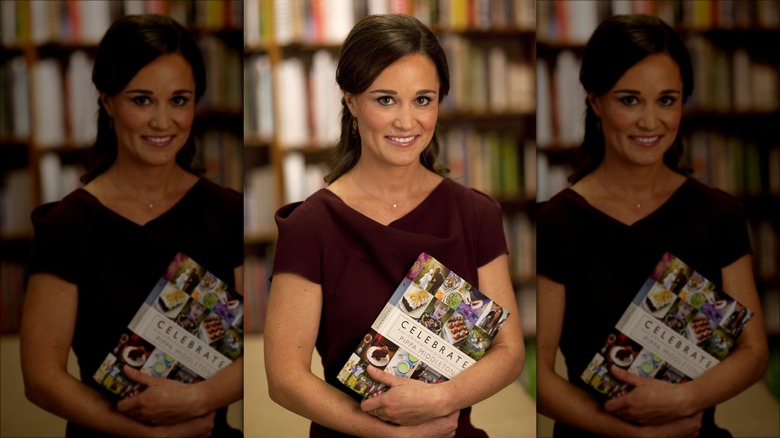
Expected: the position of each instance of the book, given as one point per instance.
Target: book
(189, 327)
(434, 326)
(678, 326)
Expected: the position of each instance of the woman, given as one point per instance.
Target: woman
(631, 202)
(385, 204)
(99, 252)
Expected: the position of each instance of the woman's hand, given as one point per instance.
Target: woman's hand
(406, 401)
(651, 402)
(437, 428)
(163, 402)
(684, 427)
(196, 427)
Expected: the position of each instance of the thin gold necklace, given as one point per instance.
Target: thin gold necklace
(638, 205)
(392, 204)
(127, 195)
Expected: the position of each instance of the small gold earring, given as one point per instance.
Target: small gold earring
(354, 127)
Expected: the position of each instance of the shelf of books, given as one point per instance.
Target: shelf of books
(486, 122)
(49, 107)
(728, 119)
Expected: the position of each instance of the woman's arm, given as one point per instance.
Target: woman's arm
(564, 402)
(291, 327)
(166, 401)
(653, 402)
(411, 402)
(48, 324)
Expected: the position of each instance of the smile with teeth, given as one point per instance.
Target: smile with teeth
(402, 139)
(158, 140)
(646, 140)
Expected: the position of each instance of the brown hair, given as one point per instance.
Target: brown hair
(372, 45)
(616, 45)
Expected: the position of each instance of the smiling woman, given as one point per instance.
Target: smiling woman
(341, 252)
(629, 203)
(99, 251)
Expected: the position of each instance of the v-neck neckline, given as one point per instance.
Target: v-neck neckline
(394, 222)
(151, 221)
(639, 221)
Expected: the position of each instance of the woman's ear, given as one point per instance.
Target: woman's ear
(349, 98)
(595, 103)
(107, 102)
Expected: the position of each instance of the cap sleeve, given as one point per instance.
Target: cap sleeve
(299, 245)
(490, 228)
(55, 248)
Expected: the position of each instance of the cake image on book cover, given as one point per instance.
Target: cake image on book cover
(677, 327)
(434, 326)
(188, 328)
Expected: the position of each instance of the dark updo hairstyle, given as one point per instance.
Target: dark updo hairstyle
(131, 43)
(616, 45)
(372, 45)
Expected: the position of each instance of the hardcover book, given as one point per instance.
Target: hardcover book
(434, 326)
(677, 327)
(189, 327)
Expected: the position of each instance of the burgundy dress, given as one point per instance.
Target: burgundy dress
(603, 263)
(115, 262)
(359, 262)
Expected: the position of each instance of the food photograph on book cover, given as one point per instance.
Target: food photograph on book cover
(704, 321)
(445, 307)
(194, 300)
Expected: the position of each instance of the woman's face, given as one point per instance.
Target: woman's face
(153, 114)
(397, 113)
(640, 115)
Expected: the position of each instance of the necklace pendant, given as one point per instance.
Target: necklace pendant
(638, 205)
(151, 205)
(395, 205)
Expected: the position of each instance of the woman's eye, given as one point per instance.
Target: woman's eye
(180, 100)
(423, 101)
(141, 100)
(629, 100)
(385, 100)
(668, 100)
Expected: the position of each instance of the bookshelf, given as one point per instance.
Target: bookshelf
(728, 121)
(49, 108)
(486, 123)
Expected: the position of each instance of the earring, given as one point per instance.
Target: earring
(354, 127)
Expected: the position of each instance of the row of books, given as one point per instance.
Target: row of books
(85, 22)
(521, 238)
(221, 152)
(726, 82)
(493, 162)
(328, 22)
(260, 202)
(572, 21)
(64, 107)
(16, 202)
(734, 163)
(257, 270)
(766, 247)
(487, 80)
(489, 75)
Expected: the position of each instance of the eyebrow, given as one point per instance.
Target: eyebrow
(393, 92)
(637, 92)
(150, 92)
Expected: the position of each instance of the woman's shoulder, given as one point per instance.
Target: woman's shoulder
(463, 193)
(219, 192)
(308, 210)
(711, 198)
(68, 210)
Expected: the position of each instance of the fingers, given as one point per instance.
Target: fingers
(625, 376)
(137, 376)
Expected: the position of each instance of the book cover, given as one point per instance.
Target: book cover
(189, 327)
(434, 326)
(678, 326)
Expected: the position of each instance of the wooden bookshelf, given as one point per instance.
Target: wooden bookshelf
(282, 42)
(727, 123)
(61, 36)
